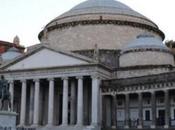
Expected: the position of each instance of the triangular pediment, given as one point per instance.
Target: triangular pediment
(46, 58)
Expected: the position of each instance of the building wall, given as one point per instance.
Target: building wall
(140, 72)
(85, 37)
(146, 107)
(146, 58)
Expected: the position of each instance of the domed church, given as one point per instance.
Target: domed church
(100, 65)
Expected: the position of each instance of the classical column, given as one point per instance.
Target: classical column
(104, 111)
(114, 115)
(23, 103)
(73, 103)
(127, 119)
(65, 102)
(51, 102)
(36, 102)
(31, 106)
(11, 89)
(101, 106)
(167, 109)
(95, 101)
(80, 101)
(153, 107)
(140, 106)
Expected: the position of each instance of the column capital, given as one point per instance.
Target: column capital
(36, 80)
(126, 94)
(79, 77)
(23, 80)
(166, 90)
(64, 78)
(95, 76)
(50, 79)
(114, 94)
(153, 92)
(11, 81)
(139, 93)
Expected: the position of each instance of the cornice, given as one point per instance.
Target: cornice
(56, 72)
(140, 81)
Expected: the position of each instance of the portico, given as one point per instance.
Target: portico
(66, 95)
(56, 96)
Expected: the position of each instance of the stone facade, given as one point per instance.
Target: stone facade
(136, 71)
(85, 37)
(7, 120)
(141, 58)
(87, 74)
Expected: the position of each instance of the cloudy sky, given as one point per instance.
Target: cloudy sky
(26, 18)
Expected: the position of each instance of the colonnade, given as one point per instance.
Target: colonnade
(65, 80)
(153, 105)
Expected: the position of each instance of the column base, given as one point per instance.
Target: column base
(21, 125)
(49, 125)
(35, 125)
(79, 125)
(139, 126)
(166, 126)
(63, 125)
(153, 126)
(91, 127)
(126, 127)
(113, 126)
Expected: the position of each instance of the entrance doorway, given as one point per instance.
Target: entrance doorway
(161, 118)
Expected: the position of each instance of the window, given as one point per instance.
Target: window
(147, 115)
(173, 99)
(161, 100)
(148, 101)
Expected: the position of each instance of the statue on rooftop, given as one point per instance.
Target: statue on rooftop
(16, 40)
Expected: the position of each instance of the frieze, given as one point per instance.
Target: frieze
(168, 67)
(57, 72)
(139, 88)
(145, 49)
(142, 80)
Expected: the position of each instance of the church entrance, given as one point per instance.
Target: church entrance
(161, 118)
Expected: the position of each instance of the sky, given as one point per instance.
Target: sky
(26, 18)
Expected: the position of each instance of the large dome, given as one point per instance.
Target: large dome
(102, 6)
(113, 22)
